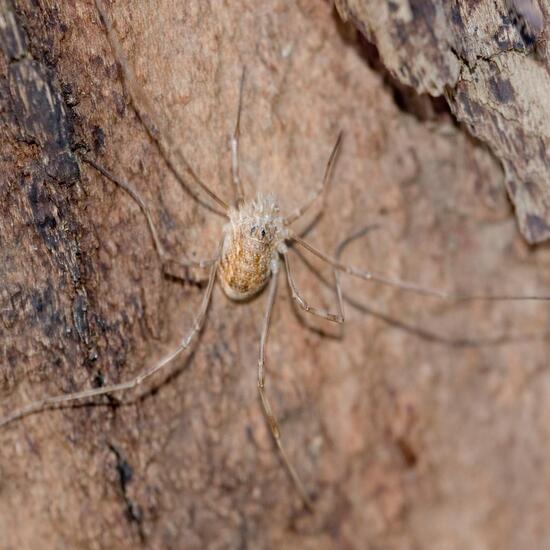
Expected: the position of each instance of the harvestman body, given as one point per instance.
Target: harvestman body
(255, 240)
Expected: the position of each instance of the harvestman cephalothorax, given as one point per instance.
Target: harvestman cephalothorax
(252, 252)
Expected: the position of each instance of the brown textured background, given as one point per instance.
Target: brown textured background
(410, 436)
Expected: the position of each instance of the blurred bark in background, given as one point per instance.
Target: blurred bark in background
(490, 59)
(424, 424)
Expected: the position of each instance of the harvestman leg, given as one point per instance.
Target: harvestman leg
(145, 111)
(409, 286)
(235, 175)
(323, 313)
(321, 189)
(163, 255)
(52, 401)
(271, 420)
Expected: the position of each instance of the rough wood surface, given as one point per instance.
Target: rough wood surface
(424, 425)
(490, 59)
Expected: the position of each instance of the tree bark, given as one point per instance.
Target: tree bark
(491, 60)
(421, 425)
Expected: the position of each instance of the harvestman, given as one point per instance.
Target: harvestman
(255, 241)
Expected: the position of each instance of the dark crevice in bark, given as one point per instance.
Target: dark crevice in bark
(125, 472)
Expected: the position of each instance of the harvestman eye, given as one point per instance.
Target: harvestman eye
(244, 265)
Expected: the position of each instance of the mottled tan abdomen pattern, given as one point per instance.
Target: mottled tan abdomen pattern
(245, 265)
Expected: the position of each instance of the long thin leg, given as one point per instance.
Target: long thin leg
(163, 255)
(145, 112)
(236, 178)
(426, 334)
(52, 401)
(271, 420)
(321, 189)
(409, 286)
(323, 313)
